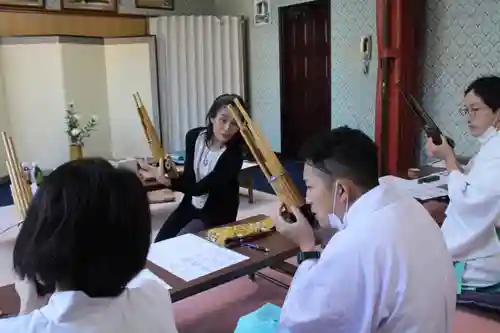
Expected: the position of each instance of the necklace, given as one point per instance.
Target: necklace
(205, 156)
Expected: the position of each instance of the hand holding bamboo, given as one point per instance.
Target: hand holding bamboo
(157, 151)
(275, 173)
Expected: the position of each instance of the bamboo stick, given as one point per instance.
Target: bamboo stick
(275, 173)
(23, 182)
(157, 151)
(20, 188)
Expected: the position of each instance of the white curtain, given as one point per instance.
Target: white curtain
(199, 58)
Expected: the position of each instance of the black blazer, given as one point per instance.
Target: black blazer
(221, 185)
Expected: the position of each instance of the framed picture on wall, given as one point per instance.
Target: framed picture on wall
(94, 5)
(23, 3)
(261, 12)
(155, 4)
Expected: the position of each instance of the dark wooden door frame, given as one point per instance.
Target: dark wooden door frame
(400, 36)
(282, 63)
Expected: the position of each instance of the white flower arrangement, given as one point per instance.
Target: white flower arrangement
(75, 132)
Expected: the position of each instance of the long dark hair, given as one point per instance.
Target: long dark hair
(219, 103)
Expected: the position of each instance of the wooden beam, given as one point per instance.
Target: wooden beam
(400, 31)
(43, 24)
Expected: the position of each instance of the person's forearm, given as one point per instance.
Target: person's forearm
(452, 164)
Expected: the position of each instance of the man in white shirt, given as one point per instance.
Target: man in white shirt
(85, 237)
(387, 269)
(473, 213)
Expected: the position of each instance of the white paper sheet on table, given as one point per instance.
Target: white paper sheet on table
(145, 275)
(424, 191)
(190, 257)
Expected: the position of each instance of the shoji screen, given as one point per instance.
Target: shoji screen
(199, 58)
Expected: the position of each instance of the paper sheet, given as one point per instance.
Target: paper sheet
(247, 165)
(190, 257)
(424, 191)
(145, 275)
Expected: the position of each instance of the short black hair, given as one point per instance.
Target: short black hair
(488, 89)
(344, 152)
(219, 103)
(88, 229)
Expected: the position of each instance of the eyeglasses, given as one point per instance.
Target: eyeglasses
(466, 111)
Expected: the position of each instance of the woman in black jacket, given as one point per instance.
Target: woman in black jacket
(214, 156)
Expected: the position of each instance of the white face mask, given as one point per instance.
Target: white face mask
(334, 221)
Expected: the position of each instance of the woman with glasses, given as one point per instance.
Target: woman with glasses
(214, 156)
(473, 213)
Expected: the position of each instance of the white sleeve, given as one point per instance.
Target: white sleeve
(326, 294)
(474, 206)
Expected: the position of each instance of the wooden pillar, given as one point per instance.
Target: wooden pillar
(400, 32)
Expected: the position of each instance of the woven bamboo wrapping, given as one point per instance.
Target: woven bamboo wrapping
(157, 151)
(267, 160)
(286, 191)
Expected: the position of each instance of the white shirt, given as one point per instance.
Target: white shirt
(147, 308)
(205, 160)
(387, 271)
(473, 212)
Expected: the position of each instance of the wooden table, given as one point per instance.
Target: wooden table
(279, 247)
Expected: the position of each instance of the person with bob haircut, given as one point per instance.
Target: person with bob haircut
(210, 181)
(86, 235)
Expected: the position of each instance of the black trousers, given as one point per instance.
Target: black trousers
(184, 219)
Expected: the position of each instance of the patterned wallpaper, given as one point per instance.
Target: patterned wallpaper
(463, 42)
(353, 93)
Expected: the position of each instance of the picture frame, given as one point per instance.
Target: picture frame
(261, 12)
(23, 3)
(155, 4)
(90, 5)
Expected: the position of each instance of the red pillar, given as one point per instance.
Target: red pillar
(400, 32)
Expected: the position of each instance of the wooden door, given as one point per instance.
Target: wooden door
(305, 73)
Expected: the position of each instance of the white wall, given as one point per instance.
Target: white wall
(85, 84)
(4, 120)
(128, 70)
(353, 93)
(34, 95)
(42, 75)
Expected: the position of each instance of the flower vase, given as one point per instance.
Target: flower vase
(75, 152)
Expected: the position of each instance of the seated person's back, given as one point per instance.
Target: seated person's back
(387, 269)
(86, 236)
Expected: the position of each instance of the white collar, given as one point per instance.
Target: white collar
(487, 135)
(69, 306)
(373, 200)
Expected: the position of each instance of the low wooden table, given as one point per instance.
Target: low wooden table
(279, 247)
